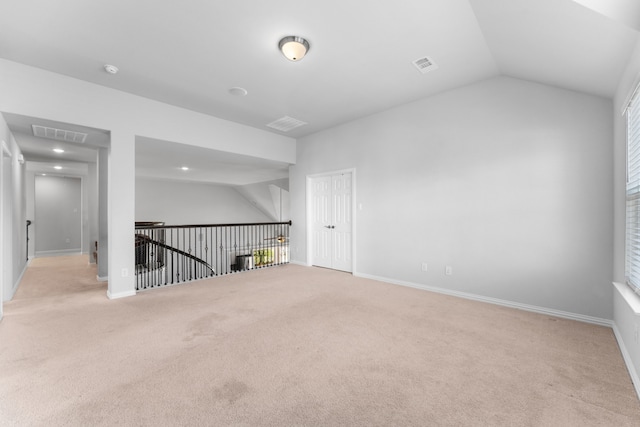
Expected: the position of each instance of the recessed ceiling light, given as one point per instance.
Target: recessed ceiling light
(58, 150)
(184, 168)
(44, 174)
(57, 167)
(111, 69)
(238, 91)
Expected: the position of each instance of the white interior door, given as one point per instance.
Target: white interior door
(331, 221)
(321, 221)
(341, 221)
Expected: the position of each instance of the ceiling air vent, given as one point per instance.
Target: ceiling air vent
(286, 123)
(58, 134)
(424, 65)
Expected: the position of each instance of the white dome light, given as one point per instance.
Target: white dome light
(294, 48)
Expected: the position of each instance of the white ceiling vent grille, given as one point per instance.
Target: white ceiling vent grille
(286, 123)
(58, 134)
(424, 65)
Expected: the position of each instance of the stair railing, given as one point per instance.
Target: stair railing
(172, 254)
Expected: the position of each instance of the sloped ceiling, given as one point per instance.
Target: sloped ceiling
(360, 62)
(559, 43)
(190, 54)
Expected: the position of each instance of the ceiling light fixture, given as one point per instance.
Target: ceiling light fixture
(57, 167)
(58, 150)
(184, 168)
(111, 69)
(294, 48)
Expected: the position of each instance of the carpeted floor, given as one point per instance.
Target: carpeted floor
(293, 345)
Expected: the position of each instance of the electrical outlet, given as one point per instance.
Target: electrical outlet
(448, 270)
(125, 272)
(424, 266)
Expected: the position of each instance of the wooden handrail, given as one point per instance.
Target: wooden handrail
(151, 227)
(148, 239)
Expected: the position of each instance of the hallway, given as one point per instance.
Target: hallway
(56, 280)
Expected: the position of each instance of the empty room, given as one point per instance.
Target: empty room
(320, 213)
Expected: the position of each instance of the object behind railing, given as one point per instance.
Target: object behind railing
(167, 255)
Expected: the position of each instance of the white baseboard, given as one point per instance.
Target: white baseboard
(635, 379)
(16, 284)
(628, 361)
(102, 278)
(505, 303)
(120, 294)
(62, 252)
(304, 264)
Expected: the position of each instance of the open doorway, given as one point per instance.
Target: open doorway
(58, 215)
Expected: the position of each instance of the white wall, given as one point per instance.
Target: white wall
(58, 215)
(90, 204)
(13, 240)
(626, 314)
(30, 186)
(508, 182)
(270, 197)
(181, 203)
(34, 92)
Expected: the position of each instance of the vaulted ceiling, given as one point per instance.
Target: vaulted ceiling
(191, 53)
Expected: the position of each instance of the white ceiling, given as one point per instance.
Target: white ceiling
(155, 159)
(164, 160)
(35, 148)
(191, 53)
(39, 152)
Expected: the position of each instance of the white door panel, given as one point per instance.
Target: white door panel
(332, 221)
(321, 220)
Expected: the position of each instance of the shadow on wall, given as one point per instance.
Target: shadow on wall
(184, 203)
(270, 197)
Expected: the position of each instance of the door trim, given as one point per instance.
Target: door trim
(308, 206)
(7, 285)
(79, 225)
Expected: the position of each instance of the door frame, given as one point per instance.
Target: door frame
(309, 219)
(6, 225)
(81, 219)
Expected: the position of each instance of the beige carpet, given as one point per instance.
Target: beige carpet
(300, 346)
